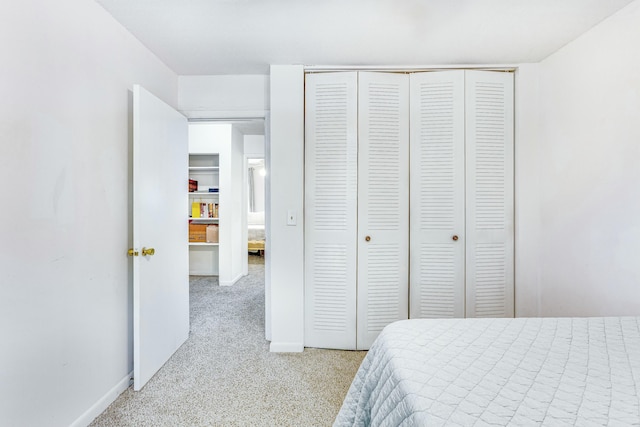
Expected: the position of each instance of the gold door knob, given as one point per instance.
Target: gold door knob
(131, 252)
(455, 237)
(367, 238)
(148, 251)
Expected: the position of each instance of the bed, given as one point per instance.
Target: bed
(525, 371)
(255, 232)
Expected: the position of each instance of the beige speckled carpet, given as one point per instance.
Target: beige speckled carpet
(224, 375)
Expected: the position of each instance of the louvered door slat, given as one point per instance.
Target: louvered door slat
(383, 200)
(330, 210)
(489, 152)
(437, 195)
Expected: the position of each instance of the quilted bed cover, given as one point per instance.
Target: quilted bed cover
(498, 372)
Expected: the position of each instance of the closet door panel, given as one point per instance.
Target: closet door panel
(330, 210)
(437, 287)
(383, 203)
(489, 152)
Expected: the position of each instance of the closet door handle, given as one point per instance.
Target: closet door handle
(367, 238)
(455, 237)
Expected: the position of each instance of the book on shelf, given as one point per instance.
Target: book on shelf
(193, 185)
(204, 210)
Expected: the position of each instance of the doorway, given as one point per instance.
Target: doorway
(234, 143)
(229, 143)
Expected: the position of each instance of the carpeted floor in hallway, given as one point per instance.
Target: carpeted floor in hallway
(224, 375)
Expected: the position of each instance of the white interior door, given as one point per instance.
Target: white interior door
(161, 279)
(437, 195)
(383, 203)
(331, 155)
(489, 154)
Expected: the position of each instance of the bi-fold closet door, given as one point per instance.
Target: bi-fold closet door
(362, 230)
(356, 206)
(461, 194)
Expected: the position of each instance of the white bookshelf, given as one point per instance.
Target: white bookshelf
(205, 169)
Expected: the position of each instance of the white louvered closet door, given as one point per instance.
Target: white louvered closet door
(383, 203)
(437, 195)
(330, 209)
(489, 153)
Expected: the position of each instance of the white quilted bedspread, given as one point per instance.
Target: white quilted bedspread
(498, 372)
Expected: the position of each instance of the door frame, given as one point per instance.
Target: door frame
(239, 117)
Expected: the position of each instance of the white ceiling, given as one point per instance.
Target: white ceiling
(202, 37)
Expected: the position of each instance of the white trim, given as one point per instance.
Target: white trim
(233, 281)
(232, 121)
(202, 273)
(286, 347)
(407, 68)
(224, 115)
(103, 403)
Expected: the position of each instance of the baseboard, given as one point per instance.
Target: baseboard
(103, 403)
(286, 347)
(202, 273)
(232, 282)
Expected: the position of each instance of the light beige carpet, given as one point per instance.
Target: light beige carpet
(224, 375)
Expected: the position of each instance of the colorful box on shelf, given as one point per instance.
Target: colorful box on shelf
(193, 185)
(212, 233)
(203, 233)
(198, 233)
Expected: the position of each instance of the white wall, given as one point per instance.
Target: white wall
(589, 172)
(254, 146)
(239, 207)
(286, 169)
(527, 197)
(230, 96)
(65, 295)
(209, 137)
